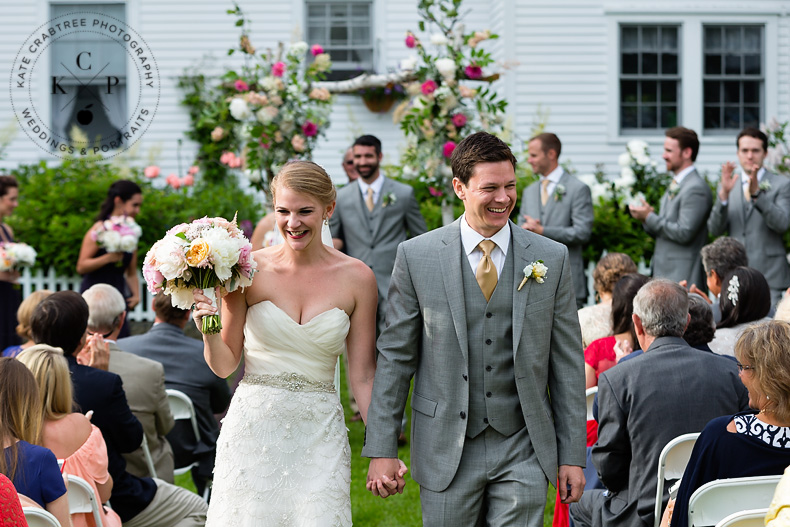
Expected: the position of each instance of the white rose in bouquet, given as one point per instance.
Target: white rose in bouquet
(446, 68)
(239, 109)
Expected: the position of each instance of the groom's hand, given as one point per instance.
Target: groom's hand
(385, 476)
(571, 483)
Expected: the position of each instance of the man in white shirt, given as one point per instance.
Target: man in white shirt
(753, 206)
(679, 227)
(558, 206)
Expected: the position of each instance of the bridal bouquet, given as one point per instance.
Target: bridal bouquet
(15, 256)
(204, 254)
(118, 234)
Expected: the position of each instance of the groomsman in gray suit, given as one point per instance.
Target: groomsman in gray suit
(558, 206)
(680, 227)
(493, 343)
(373, 215)
(753, 205)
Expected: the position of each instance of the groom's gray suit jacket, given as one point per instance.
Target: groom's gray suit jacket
(373, 237)
(566, 218)
(427, 338)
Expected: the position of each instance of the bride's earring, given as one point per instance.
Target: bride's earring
(326, 222)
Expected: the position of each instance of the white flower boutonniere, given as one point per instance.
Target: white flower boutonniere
(765, 186)
(559, 192)
(388, 199)
(535, 270)
(672, 191)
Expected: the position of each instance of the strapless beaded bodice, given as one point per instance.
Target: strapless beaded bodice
(275, 344)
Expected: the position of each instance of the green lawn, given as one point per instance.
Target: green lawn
(368, 510)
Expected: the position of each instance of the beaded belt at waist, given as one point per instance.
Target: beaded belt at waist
(289, 381)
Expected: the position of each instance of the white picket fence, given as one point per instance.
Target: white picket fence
(49, 280)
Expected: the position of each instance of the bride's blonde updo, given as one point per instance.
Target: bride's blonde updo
(305, 177)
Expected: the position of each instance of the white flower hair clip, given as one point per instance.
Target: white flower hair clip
(732, 290)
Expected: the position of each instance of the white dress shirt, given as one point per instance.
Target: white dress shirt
(554, 179)
(683, 173)
(376, 186)
(471, 238)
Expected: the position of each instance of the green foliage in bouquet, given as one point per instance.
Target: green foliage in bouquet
(58, 205)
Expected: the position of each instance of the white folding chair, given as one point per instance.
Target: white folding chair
(671, 464)
(182, 408)
(750, 518)
(717, 499)
(39, 517)
(82, 499)
(147, 455)
(590, 400)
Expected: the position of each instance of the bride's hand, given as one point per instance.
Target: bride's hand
(203, 307)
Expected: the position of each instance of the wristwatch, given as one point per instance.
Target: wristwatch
(757, 194)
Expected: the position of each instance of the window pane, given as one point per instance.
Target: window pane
(732, 92)
(669, 39)
(629, 39)
(316, 34)
(362, 10)
(732, 117)
(316, 10)
(712, 64)
(338, 35)
(628, 117)
(732, 38)
(338, 10)
(732, 64)
(649, 63)
(650, 38)
(628, 91)
(669, 92)
(630, 63)
(712, 38)
(669, 64)
(361, 55)
(751, 116)
(649, 89)
(360, 35)
(712, 91)
(751, 92)
(712, 117)
(339, 55)
(669, 116)
(648, 115)
(751, 65)
(752, 39)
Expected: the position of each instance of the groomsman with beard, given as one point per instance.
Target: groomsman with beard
(679, 227)
(753, 205)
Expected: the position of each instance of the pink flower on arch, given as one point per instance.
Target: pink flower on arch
(173, 181)
(459, 120)
(435, 192)
(194, 169)
(188, 180)
(278, 68)
(309, 129)
(473, 71)
(151, 171)
(316, 50)
(240, 85)
(447, 149)
(411, 41)
(428, 87)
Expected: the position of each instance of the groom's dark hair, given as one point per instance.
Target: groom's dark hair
(368, 140)
(480, 147)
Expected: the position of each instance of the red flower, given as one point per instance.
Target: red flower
(447, 149)
(428, 87)
(151, 171)
(278, 68)
(411, 41)
(473, 71)
(241, 85)
(309, 129)
(436, 193)
(459, 120)
(316, 49)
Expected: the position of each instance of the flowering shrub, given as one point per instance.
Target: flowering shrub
(444, 106)
(264, 115)
(778, 158)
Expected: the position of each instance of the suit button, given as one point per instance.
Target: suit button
(485, 420)
(489, 315)
(489, 368)
(465, 377)
(463, 415)
(488, 394)
(488, 341)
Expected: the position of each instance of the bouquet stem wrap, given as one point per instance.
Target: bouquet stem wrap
(212, 323)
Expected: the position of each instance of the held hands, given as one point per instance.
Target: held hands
(641, 212)
(621, 349)
(95, 353)
(113, 257)
(203, 307)
(386, 476)
(532, 224)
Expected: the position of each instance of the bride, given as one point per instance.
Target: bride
(283, 456)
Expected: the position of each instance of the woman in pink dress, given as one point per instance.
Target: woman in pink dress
(70, 436)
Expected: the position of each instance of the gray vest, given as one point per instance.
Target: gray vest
(493, 397)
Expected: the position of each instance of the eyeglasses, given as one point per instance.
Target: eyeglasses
(742, 367)
(349, 162)
(104, 336)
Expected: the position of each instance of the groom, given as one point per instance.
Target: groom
(498, 403)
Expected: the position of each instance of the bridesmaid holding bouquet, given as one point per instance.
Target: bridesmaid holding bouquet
(10, 296)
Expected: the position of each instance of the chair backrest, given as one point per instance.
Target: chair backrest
(671, 464)
(590, 399)
(39, 517)
(750, 518)
(82, 499)
(149, 461)
(717, 499)
(182, 408)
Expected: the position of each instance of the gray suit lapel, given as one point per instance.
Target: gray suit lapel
(378, 209)
(451, 256)
(520, 242)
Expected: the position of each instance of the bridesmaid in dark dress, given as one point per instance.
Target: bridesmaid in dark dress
(96, 265)
(10, 294)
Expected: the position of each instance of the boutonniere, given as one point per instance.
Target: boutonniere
(559, 192)
(388, 199)
(672, 191)
(536, 271)
(765, 186)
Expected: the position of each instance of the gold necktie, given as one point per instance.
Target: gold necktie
(486, 270)
(369, 200)
(746, 194)
(544, 191)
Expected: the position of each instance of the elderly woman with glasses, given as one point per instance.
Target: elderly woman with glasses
(752, 443)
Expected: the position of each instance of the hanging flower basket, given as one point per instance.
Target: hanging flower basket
(381, 99)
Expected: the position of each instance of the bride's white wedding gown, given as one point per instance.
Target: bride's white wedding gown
(283, 457)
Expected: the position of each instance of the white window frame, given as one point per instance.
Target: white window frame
(373, 29)
(690, 18)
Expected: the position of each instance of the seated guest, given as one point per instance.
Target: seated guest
(745, 298)
(778, 514)
(752, 443)
(61, 320)
(600, 355)
(672, 389)
(33, 469)
(596, 320)
(719, 258)
(185, 370)
(11, 514)
(70, 435)
(23, 318)
(143, 381)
